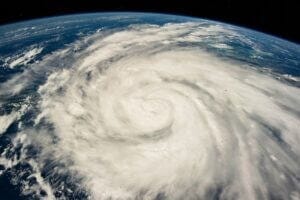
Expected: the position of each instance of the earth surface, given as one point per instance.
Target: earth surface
(147, 106)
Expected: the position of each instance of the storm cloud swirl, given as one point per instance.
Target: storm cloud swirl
(142, 113)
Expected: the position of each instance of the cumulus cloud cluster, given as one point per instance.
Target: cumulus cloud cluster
(142, 113)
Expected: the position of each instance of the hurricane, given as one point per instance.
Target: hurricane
(146, 113)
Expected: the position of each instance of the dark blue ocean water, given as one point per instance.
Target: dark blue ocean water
(277, 55)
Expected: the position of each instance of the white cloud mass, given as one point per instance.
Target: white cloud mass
(141, 114)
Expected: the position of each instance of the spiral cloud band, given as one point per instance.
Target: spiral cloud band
(139, 114)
